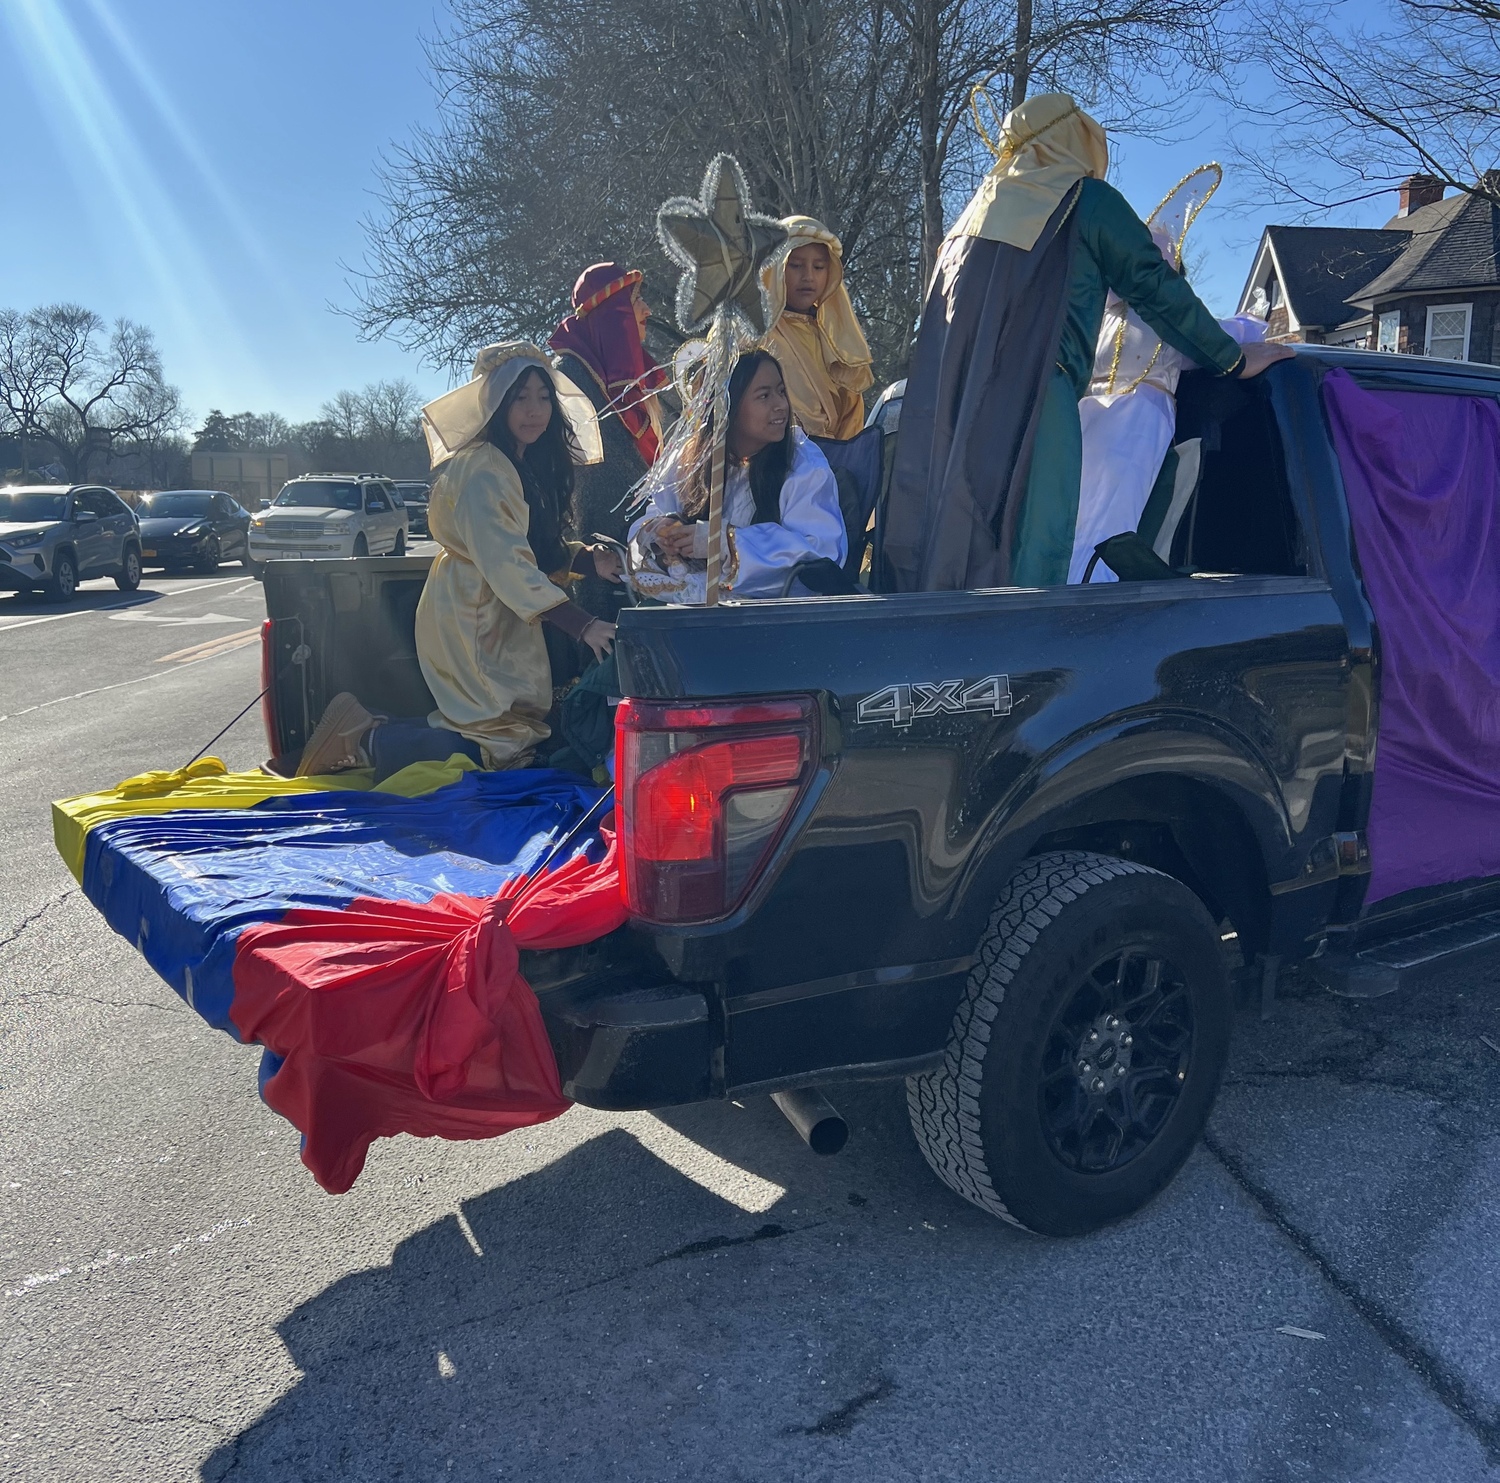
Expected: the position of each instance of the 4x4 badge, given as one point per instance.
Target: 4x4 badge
(903, 704)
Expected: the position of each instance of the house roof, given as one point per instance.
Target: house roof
(1320, 268)
(1454, 243)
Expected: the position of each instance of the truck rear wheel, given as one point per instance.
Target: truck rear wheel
(1087, 1051)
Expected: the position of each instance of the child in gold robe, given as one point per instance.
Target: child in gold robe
(815, 334)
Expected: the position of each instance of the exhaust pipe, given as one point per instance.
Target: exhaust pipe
(815, 1118)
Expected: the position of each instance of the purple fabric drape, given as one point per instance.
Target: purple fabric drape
(1422, 472)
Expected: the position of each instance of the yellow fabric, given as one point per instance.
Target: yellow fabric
(1046, 146)
(478, 637)
(824, 356)
(208, 784)
(454, 421)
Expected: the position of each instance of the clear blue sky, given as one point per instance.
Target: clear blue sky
(202, 166)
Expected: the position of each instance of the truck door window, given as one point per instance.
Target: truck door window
(1240, 517)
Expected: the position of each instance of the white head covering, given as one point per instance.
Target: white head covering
(1046, 146)
(455, 420)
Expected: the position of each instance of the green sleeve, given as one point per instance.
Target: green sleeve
(1134, 268)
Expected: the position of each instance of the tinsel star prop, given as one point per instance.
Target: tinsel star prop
(720, 244)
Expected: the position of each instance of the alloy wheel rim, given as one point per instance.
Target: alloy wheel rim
(1115, 1061)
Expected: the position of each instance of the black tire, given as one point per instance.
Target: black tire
(1021, 1118)
(361, 545)
(63, 585)
(128, 578)
(211, 557)
(399, 549)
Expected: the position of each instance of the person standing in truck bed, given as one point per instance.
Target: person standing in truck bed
(984, 491)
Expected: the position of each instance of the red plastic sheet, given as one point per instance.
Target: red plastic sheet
(397, 1018)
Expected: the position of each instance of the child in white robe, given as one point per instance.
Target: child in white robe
(781, 503)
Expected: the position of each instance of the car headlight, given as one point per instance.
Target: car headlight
(335, 528)
(257, 521)
(192, 532)
(26, 539)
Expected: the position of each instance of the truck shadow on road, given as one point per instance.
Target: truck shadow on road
(698, 1296)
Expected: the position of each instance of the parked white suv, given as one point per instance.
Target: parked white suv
(329, 515)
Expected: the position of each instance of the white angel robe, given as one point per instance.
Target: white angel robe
(755, 558)
(1127, 432)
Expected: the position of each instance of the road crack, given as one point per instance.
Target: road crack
(841, 1421)
(92, 999)
(719, 1243)
(36, 916)
(490, 1315)
(213, 1426)
(1446, 1385)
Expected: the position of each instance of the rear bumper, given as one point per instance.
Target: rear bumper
(625, 1048)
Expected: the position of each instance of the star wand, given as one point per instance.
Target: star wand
(720, 244)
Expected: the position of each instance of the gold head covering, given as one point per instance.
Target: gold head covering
(824, 356)
(845, 343)
(1044, 148)
(454, 421)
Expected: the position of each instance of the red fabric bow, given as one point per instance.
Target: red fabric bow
(391, 1017)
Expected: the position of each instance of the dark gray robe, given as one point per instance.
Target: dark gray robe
(984, 355)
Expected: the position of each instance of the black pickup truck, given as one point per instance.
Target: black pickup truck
(1014, 846)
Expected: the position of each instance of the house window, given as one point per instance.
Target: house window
(1448, 331)
(1389, 336)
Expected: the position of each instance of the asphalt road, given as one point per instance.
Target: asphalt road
(688, 1296)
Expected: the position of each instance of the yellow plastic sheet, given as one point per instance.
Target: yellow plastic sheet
(207, 783)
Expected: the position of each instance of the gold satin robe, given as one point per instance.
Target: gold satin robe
(479, 636)
(825, 394)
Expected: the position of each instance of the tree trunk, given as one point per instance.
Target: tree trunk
(1021, 65)
(929, 107)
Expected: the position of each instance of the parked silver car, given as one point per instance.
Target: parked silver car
(54, 536)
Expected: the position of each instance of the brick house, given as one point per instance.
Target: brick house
(1427, 283)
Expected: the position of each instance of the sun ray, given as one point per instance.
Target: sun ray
(108, 159)
(183, 137)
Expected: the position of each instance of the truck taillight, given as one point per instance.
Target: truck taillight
(268, 685)
(705, 792)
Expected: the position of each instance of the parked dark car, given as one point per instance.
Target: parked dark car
(1013, 846)
(195, 528)
(54, 536)
(414, 495)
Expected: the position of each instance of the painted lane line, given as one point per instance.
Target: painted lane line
(135, 616)
(113, 607)
(120, 684)
(209, 647)
(118, 1259)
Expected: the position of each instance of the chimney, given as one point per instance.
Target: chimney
(1417, 191)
